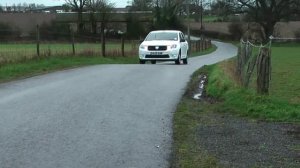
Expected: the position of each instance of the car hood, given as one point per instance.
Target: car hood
(159, 42)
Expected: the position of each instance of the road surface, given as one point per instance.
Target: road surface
(105, 116)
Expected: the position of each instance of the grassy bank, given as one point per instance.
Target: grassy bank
(208, 51)
(189, 113)
(45, 65)
(226, 97)
(245, 102)
(283, 102)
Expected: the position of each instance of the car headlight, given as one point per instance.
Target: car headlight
(143, 47)
(173, 46)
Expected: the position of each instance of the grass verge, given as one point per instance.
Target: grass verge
(224, 95)
(208, 51)
(245, 102)
(40, 66)
(186, 151)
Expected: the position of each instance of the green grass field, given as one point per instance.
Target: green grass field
(210, 18)
(206, 18)
(285, 82)
(19, 68)
(20, 51)
(283, 102)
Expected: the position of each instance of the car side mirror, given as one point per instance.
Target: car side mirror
(182, 40)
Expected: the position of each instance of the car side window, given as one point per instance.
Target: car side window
(181, 37)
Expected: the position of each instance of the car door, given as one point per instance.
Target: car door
(183, 45)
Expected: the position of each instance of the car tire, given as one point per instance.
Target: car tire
(185, 61)
(153, 62)
(178, 59)
(142, 62)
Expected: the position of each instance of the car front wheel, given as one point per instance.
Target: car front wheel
(153, 62)
(178, 59)
(185, 61)
(142, 62)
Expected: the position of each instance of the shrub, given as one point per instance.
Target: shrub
(236, 30)
(55, 31)
(8, 32)
(212, 34)
(297, 34)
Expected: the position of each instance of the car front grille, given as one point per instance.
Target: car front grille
(157, 48)
(157, 56)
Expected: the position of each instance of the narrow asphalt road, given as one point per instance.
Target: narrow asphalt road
(104, 116)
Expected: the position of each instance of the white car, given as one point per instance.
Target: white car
(164, 45)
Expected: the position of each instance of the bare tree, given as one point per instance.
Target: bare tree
(166, 14)
(267, 12)
(78, 6)
(19, 7)
(142, 5)
(93, 7)
(103, 9)
(222, 8)
(14, 8)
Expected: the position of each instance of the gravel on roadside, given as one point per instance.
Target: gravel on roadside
(240, 142)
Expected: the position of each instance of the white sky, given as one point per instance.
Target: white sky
(118, 3)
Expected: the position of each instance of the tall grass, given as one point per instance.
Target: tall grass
(45, 65)
(18, 52)
(245, 102)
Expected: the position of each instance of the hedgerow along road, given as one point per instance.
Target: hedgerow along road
(97, 116)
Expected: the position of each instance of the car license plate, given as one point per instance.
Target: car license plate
(156, 53)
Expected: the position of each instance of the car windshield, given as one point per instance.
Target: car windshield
(162, 36)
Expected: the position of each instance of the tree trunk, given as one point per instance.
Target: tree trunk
(80, 24)
(268, 29)
(103, 38)
(93, 23)
(263, 71)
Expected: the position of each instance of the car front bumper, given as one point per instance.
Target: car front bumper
(168, 55)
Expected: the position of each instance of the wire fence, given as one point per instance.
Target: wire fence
(250, 56)
(47, 41)
(200, 45)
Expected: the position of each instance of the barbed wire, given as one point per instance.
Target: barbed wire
(268, 45)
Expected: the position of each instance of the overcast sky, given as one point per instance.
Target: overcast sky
(118, 3)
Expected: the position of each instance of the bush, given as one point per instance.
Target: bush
(297, 34)
(212, 34)
(55, 31)
(52, 31)
(135, 29)
(7, 32)
(236, 30)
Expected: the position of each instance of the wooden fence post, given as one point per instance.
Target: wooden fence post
(263, 71)
(202, 44)
(198, 45)
(38, 40)
(193, 46)
(239, 64)
(122, 47)
(73, 42)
